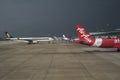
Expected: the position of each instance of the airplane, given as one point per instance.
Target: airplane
(86, 39)
(29, 40)
(65, 38)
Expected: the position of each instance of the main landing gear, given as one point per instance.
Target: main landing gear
(118, 50)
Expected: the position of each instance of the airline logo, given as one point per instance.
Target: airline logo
(83, 34)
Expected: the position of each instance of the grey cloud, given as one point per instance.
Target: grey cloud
(43, 17)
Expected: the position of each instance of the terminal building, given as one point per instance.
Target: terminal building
(111, 34)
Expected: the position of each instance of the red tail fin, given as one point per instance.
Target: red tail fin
(83, 35)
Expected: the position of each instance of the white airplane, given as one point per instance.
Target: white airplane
(29, 40)
(65, 38)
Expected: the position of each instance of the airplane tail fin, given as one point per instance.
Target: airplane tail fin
(8, 35)
(83, 34)
(64, 36)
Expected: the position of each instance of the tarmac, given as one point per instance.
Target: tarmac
(57, 61)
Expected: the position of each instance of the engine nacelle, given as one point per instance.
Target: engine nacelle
(34, 42)
(31, 42)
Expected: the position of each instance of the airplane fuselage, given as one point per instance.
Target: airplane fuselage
(104, 43)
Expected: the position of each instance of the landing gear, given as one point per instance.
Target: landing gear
(118, 50)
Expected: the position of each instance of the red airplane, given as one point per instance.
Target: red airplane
(85, 38)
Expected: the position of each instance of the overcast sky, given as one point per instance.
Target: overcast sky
(57, 17)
